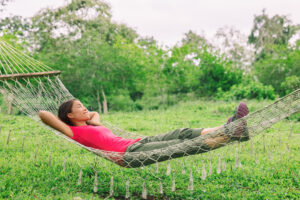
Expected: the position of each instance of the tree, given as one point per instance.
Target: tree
(195, 66)
(234, 45)
(268, 31)
(276, 68)
(194, 39)
(216, 73)
(275, 60)
(16, 25)
(71, 21)
(3, 3)
(80, 37)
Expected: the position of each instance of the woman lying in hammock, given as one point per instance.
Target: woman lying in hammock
(76, 122)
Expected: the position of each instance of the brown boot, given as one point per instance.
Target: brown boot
(238, 131)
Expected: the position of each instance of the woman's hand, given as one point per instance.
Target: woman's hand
(94, 119)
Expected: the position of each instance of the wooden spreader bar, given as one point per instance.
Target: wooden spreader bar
(28, 75)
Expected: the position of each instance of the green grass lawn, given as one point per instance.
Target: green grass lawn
(48, 167)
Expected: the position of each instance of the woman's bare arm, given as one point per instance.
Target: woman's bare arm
(94, 119)
(53, 121)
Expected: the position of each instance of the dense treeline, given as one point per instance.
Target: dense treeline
(109, 66)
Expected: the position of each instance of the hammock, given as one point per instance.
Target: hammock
(32, 86)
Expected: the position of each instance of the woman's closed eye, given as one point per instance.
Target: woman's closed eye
(79, 105)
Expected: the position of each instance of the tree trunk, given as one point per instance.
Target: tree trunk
(105, 109)
(99, 103)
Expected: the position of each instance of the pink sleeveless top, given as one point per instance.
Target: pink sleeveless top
(100, 137)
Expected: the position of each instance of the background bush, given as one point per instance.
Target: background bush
(290, 84)
(122, 101)
(250, 90)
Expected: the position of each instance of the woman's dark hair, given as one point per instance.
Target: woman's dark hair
(64, 109)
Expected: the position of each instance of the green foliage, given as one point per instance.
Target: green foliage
(13, 40)
(178, 71)
(247, 90)
(164, 101)
(121, 101)
(268, 31)
(274, 69)
(100, 59)
(295, 117)
(277, 62)
(290, 84)
(216, 73)
(15, 25)
(157, 102)
(194, 67)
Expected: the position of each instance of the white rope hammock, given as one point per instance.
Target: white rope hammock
(33, 86)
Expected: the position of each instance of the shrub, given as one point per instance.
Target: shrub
(250, 90)
(156, 102)
(216, 73)
(122, 101)
(274, 69)
(162, 101)
(290, 84)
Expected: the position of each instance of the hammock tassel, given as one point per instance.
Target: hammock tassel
(198, 170)
(161, 191)
(64, 165)
(210, 168)
(224, 165)
(203, 176)
(79, 177)
(96, 183)
(219, 165)
(256, 159)
(237, 160)
(111, 189)
(191, 182)
(144, 192)
(127, 195)
(168, 169)
(183, 169)
(173, 188)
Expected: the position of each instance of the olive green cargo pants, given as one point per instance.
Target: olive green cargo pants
(170, 145)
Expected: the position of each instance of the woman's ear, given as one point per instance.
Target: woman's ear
(70, 115)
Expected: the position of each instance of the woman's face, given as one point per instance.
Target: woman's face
(79, 112)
